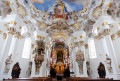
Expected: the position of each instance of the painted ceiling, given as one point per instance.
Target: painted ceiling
(47, 5)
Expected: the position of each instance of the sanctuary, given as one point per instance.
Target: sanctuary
(67, 40)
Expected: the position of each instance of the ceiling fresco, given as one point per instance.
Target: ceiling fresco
(47, 5)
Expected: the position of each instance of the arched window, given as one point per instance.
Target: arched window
(26, 49)
(92, 50)
(24, 30)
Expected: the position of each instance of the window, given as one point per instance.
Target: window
(26, 49)
(95, 31)
(92, 50)
(24, 30)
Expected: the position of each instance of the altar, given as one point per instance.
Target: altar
(60, 58)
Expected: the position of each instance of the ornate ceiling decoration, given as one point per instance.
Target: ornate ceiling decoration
(78, 19)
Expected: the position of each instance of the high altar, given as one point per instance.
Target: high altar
(60, 58)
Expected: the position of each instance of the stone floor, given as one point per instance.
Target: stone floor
(55, 79)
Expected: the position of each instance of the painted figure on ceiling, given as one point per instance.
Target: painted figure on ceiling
(60, 10)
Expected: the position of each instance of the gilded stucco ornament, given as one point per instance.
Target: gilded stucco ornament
(77, 26)
(41, 25)
(103, 33)
(118, 33)
(86, 46)
(99, 36)
(1, 32)
(98, 11)
(113, 36)
(106, 32)
(80, 43)
(4, 35)
(11, 30)
(5, 8)
(14, 32)
(108, 63)
(22, 11)
(112, 9)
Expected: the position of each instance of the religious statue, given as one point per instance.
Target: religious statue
(101, 71)
(80, 60)
(7, 63)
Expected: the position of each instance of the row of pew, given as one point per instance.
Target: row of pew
(31, 79)
(88, 79)
(67, 79)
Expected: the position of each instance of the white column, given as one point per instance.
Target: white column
(112, 56)
(82, 48)
(2, 43)
(4, 54)
(104, 51)
(74, 61)
(13, 45)
(101, 51)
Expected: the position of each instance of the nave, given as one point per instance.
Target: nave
(67, 40)
(58, 79)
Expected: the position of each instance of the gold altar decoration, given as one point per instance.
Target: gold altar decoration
(59, 68)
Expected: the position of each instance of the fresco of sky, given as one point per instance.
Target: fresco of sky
(47, 5)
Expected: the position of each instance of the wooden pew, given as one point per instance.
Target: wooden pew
(88, 79)
(30, 79)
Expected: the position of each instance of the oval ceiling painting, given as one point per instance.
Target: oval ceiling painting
(49, 5)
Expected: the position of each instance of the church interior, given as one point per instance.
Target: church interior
(59, 40)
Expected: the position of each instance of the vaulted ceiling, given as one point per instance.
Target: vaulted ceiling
(36, 14)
